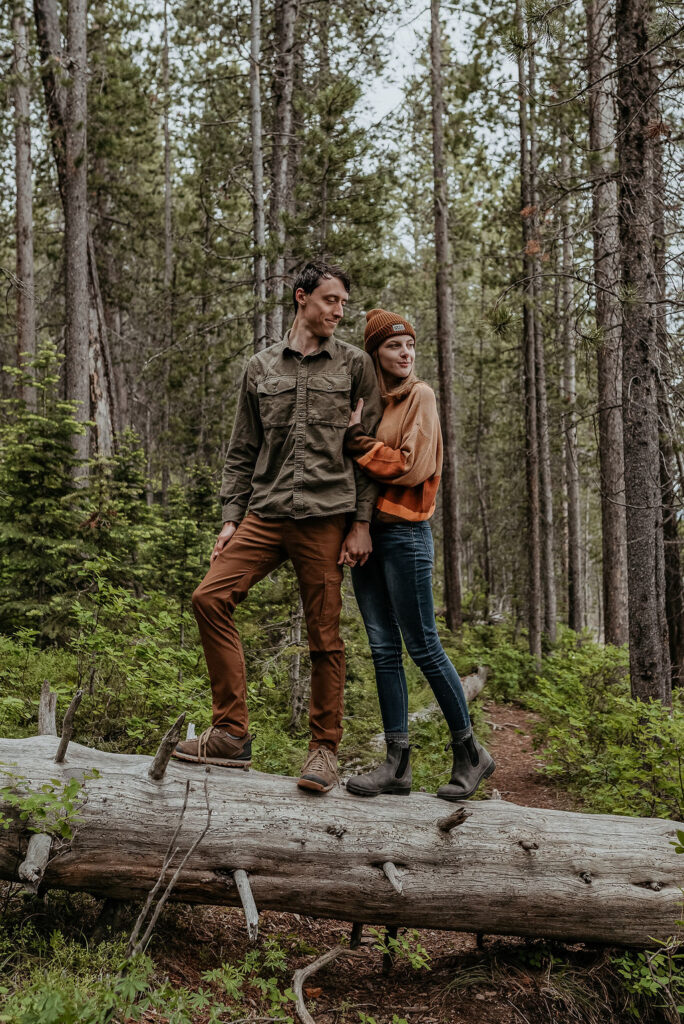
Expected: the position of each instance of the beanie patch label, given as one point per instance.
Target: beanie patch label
(398, 327)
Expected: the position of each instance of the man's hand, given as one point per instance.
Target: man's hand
(356, 414)
(223, 538)
(356, 546)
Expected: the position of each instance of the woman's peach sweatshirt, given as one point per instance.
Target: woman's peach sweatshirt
(406, 456)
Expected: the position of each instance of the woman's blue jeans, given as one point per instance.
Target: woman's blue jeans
(394, 592)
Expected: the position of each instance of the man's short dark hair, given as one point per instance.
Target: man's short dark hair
(310, 276)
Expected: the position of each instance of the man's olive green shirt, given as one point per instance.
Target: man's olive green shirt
(285, 458)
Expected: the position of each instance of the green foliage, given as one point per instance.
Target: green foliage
(53, 808)
(655, 977)
(405, 947)
(40, 510)
(618, 755)
(53, 979)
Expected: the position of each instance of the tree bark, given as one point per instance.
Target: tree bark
(548, 575)
(503, 870)
(529, 366)
(575, 593)
(102, 405)
(168, 266)
(260, 340)
(445, 332)
(26, 298)
(76, 226)
(600, 29)
(637, 88)
(674, 586)
(286, 19)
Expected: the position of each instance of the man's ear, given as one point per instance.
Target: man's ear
(300, 296)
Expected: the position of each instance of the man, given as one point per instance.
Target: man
(287, 491)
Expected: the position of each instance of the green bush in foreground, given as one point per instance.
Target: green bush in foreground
(617, 754)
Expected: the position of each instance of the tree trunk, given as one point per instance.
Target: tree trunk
(529, 366)
(548, 575)
(76, 226)
(445, 332)
(101, 401)
(286, 18)
(26, 298)
(575, 595)
(485, 866)
(260, 340)
(168, 267)
(674, 588)
(600, 29)
(298, 681)
(637, 89)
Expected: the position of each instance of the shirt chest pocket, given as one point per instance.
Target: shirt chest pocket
(329, 399)
(277, 398)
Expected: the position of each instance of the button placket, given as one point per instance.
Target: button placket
(300, 436)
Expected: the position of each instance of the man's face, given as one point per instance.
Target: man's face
(323, 309)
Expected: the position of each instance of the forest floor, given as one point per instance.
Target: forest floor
(504, 980)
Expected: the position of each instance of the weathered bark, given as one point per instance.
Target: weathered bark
(529, 366)
(260, 340)
(298, 680)
(76, 363)
(487, 561)
(445, 338)
(572, 478)
(503, 870)
(548, 575)
(600, 31)
(637, 87)
(286, 19)
(674, 585)
(26, 299)
(102, 405)
(167, 340)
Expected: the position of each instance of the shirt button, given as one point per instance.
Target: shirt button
(329, 387)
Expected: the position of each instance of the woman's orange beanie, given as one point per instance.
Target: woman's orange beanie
(381, 324)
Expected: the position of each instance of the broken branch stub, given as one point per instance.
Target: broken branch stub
(166, 749)
(32, 868)
(68, 727)
(241, 880)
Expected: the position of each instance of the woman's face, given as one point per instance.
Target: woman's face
(397, 356)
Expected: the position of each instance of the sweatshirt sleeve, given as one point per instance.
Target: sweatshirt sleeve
(365, 385)
(416, 459)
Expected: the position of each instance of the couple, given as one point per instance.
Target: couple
(302, 464)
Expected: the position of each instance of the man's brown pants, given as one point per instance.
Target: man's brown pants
(256, 548)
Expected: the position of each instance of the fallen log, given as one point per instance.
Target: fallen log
(497, 869)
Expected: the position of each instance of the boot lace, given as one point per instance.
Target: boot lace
(202, 742)
(320, 760)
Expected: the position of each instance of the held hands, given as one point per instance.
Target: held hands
(357, 545)
(222, 539)
(355, 417)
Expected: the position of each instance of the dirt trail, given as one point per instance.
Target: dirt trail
(516, 776)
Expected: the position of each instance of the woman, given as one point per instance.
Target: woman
(394, 587)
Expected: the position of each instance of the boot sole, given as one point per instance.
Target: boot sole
(314, 786)
(456, 799)
(222, 762)
(382, 792)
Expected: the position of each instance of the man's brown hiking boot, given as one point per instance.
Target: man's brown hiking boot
(320, 771)
(217, 746)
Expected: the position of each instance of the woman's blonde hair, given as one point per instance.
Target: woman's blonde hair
(393, 394)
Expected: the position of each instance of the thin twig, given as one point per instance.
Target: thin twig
(167, 892)
(68, 727)
(168, 857)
